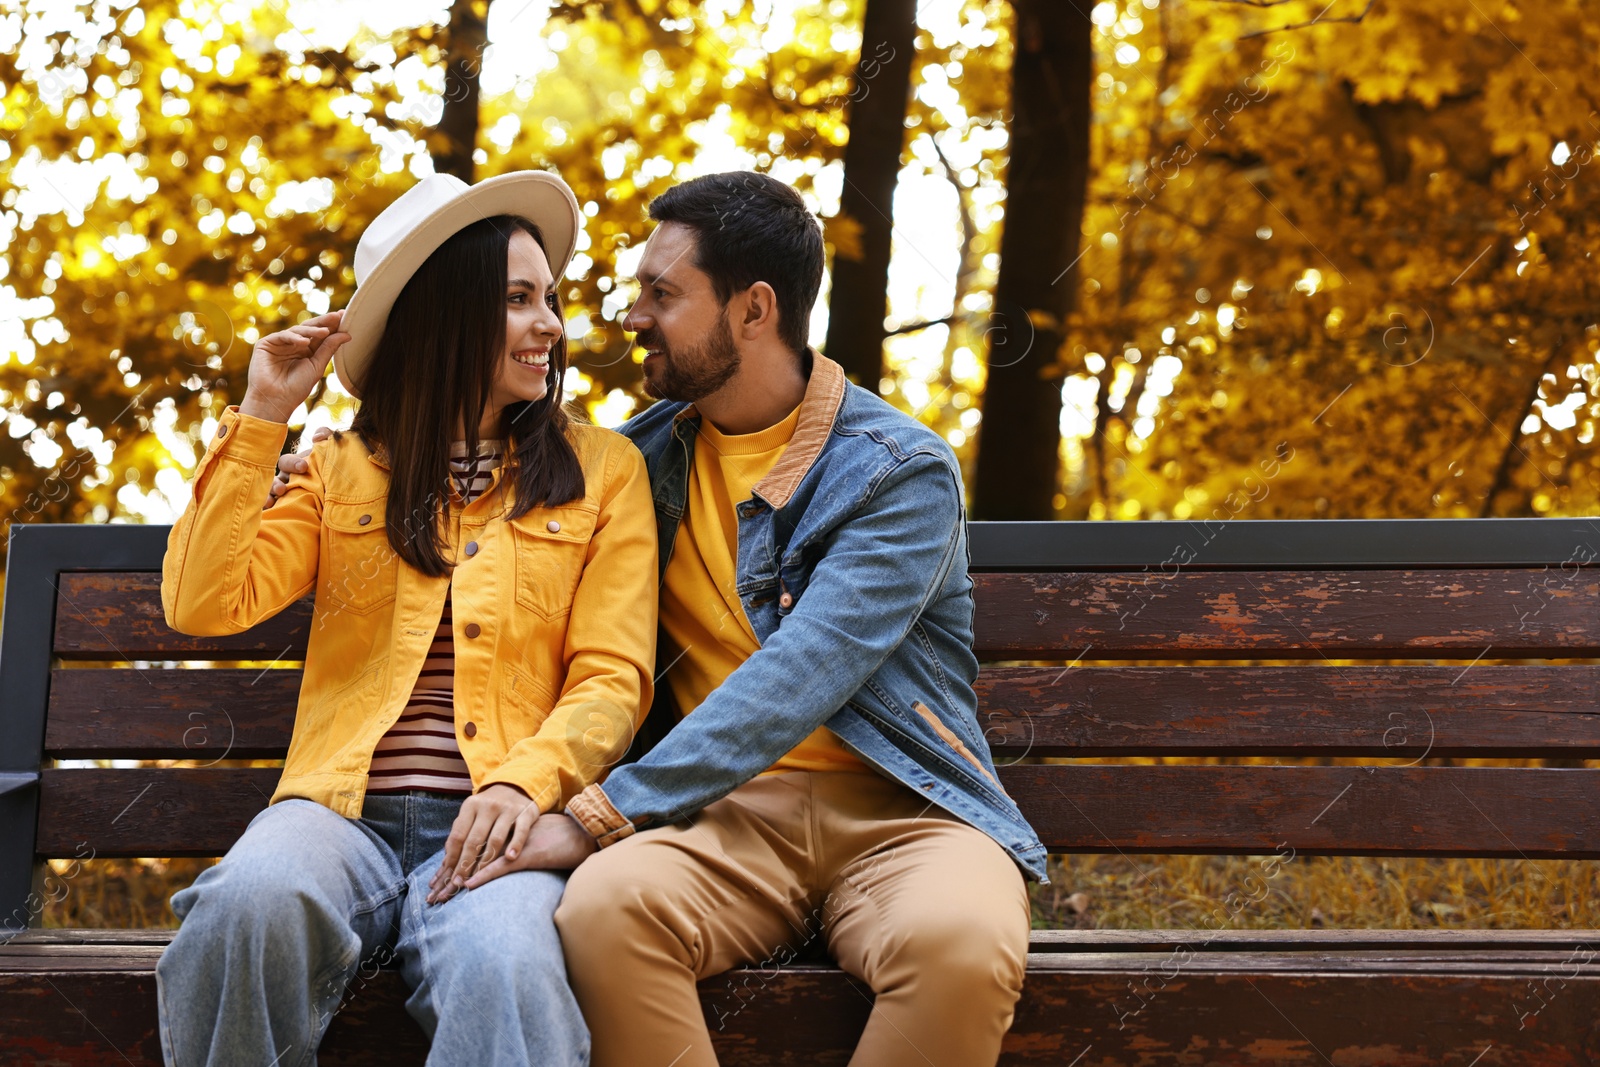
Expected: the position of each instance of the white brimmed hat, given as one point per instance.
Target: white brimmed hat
(407, 232)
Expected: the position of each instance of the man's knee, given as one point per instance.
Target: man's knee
(969, 948)
(616, 901)
(601, 893)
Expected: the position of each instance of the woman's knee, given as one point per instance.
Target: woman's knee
(243, 896)
(509, 920)
(490, 952)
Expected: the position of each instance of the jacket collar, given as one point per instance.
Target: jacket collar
(819, 409)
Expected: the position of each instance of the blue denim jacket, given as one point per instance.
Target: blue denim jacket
(852, 568)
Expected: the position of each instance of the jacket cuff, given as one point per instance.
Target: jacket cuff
(596, 814)
(247, 439)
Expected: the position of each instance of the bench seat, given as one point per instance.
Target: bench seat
(87, 997)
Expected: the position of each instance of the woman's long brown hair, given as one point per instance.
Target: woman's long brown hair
(435, 368)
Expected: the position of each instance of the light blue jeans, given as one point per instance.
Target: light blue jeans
(272, 935)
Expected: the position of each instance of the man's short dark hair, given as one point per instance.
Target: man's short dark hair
(752, 228)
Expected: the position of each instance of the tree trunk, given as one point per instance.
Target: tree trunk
(1513, 453)
(1019, 441)
(456, 138)
(871, 167)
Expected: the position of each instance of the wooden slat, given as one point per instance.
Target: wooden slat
(1193, 613)
(1232, 1010)
(66, 937)
(1532, 813)
(1255, 1014)
(219, 713)
(1508, 946)
(1406, 712)
(89, 1013)
(117, 615)
(1414, 811)
(1403, 712)
(1278, 614)
(146, 811)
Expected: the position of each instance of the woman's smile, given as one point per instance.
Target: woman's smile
(535, 358)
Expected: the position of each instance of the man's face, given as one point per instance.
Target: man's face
(680, 323)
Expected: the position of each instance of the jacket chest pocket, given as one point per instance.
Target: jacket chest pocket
(360, 570)
(552, 545)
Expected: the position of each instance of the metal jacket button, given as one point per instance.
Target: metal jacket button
(786, 601)
(222, 431)
(471, 729)
(553, 526)
(364, 520)
(472, 629)
(472, 548)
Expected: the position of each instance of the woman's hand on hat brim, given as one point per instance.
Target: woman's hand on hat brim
(285, 366)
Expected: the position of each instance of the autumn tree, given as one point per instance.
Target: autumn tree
(169, 193)
(455, 141)
(866, 205)
(1051, 68)
(231, 165)
(1357, 236)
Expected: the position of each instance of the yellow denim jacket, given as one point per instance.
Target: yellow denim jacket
(554, 612)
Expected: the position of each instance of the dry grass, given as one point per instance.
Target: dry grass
(130, 894)
(1166, 892)
(1109, 892)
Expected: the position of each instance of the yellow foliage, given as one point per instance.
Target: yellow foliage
(1369, 242)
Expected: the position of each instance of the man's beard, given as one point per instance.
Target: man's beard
(692, 372)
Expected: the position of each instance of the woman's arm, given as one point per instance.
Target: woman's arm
(608, 657)
(229, 564)
(609, 653)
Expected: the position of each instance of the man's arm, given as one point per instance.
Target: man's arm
(880, 570)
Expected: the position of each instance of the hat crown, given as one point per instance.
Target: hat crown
(395, 222)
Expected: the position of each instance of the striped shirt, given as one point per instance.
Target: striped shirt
(420, 750)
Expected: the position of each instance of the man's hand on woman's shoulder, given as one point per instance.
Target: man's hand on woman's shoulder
(295, 463)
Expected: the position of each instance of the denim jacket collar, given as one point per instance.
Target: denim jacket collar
(818, 410)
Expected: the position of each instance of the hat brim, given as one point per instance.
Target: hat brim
(541, 198)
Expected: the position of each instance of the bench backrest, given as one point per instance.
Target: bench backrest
(1119, 645)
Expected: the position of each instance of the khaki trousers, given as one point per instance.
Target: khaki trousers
(929, 912)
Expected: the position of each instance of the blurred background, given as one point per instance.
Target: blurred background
(1134, 259)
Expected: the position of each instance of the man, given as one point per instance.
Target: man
(828, 778)
(826, 781)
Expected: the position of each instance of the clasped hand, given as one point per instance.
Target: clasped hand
(499, 830)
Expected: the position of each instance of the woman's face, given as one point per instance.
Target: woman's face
(532, 325)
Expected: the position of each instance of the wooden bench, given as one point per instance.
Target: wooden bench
(1481, 637)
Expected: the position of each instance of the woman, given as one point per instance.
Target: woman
(480, 646)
